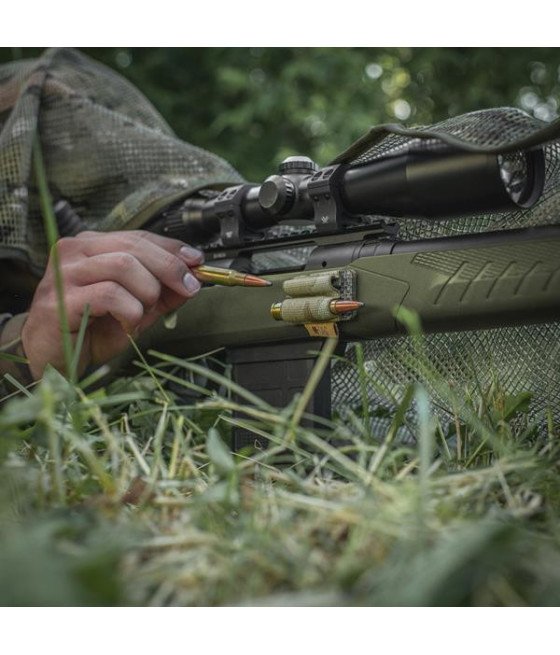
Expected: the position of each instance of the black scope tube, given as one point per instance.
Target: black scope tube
(196, 220)
(454, 183)
(424, 183)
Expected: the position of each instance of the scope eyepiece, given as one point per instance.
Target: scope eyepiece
(522, 174)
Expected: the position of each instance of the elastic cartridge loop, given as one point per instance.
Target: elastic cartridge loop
(320, 284)
(318, 299)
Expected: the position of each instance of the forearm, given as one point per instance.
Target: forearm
(11, 346)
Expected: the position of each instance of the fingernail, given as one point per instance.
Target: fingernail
(192, 285)
(192, 254)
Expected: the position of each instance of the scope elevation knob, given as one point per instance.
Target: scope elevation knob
(298, 165)
(276, 194)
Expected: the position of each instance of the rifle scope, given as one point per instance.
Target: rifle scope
(425, 179)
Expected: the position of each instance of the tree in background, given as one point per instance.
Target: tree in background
(255, 106)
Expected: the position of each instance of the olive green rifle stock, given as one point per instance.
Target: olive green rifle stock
(456, 283)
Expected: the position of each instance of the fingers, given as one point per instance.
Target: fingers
(105, 298)
(120, 267)
(156, 280)
(166, 259)
(192, 256)
(127, 271)
(128, 279)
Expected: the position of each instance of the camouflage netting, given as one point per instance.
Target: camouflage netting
(107, 151)
(522, 358)
(111, 155)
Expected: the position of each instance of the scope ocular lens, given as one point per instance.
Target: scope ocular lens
(514, 172)
(522, 174)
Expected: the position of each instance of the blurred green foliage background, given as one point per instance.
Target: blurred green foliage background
(254, 106)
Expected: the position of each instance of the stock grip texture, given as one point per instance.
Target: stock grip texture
(471, 288)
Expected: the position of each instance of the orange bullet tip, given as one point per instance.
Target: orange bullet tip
(254, 281)
(344, 306)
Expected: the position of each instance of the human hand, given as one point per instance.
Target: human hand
(128, 279)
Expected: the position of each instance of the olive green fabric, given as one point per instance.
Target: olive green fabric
(107, 151)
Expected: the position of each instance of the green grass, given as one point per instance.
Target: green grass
(126, 495)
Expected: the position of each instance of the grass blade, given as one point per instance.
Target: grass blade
(51, 230)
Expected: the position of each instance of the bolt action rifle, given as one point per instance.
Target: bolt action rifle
(464, 282)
